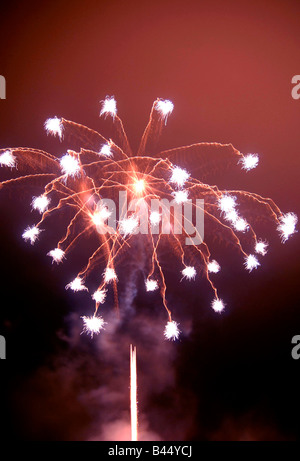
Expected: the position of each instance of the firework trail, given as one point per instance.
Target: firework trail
(84, 183)
(133, 394)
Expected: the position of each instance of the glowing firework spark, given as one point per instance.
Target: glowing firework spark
(181, 196)
(189, 272)
(164, 108)
(54, 126)
(7, 159)
(92, 325)
(179, 176)
(109, 106)
(261, 247)
(40, 203)
(251, 262)
(241, 225)
(213, 267)
(100, 216)
(69, 165)
(76, 285)
(31, 233)
(129, 225)
(101, 170)
(110, 275)
(287, 225)
(151, 285)
(227, 203)
(139, 186)
(154, 217)
(99, 296)
(133, 394)
(57, 255)
(250, 161)
(218, 305)
(106, 150)
(171, 330)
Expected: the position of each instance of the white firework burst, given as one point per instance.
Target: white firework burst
(54, 126)
(77, 285)
(189, 272)
(40, 203)
(92, 325)
(99, 296)
(287, 225)
(8, 159)
(249, 161)
(151, 285)
(57, 255)
(218, 305)
(179, 176)
(213, 266)
(109, 106)
(251, 262)
(31, 233)
(171, 330)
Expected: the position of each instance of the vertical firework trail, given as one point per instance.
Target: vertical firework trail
(133, 394)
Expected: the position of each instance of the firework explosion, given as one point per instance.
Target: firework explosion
(85, 181)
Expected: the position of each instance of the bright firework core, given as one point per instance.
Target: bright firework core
(139, 186)
(7, 159)
(151, 285)
(70, 165)
(31, 234)
(189, 272)
(172, 331)
(54, 126)
(99, 296)
(106, 150)
(40, 203)
(57, 255)
(213, 267)
(93, 325)
(218, 305)
(109, 107)
(100, 216)
(103, 171)
(179, 176)
(77, 285)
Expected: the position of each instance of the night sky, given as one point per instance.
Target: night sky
(227, 67)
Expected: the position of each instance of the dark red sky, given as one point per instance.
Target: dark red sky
(227, 67)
